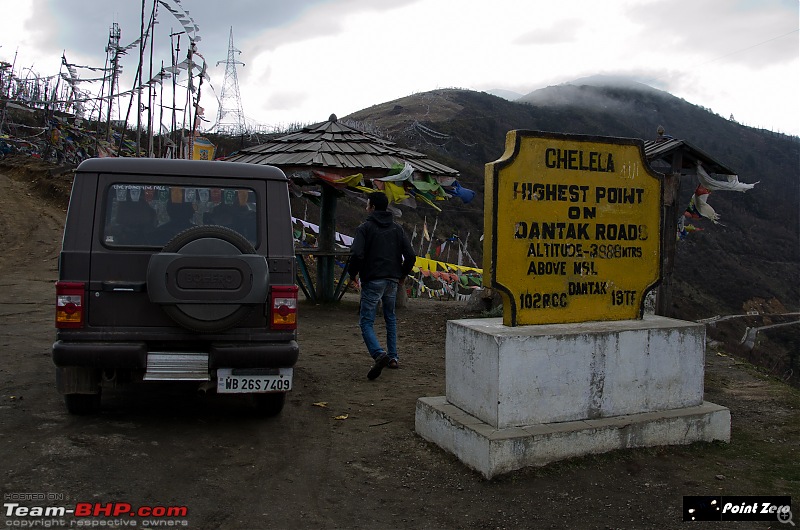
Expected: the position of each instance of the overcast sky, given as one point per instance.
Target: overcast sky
(306, 59)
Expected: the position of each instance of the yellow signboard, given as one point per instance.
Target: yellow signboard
(573, 228)
(203, 149)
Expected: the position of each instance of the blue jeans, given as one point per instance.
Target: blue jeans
(384, 290)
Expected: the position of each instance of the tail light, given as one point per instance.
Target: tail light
(69, 304)
(283, 307)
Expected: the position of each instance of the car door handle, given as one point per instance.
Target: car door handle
(130, 287)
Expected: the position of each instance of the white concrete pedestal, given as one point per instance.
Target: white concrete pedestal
(529, 395)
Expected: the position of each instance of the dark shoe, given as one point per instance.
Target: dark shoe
(394, 364)
(380, 363)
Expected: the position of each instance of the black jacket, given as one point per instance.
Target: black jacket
(380, 249)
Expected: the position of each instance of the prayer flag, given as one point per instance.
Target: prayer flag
(699, 207)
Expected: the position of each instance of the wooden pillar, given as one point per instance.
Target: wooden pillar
(327, 244)
(670, 212)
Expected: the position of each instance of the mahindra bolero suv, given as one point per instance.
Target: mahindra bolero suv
(176, 270)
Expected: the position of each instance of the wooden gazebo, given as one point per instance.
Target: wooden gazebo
(338, 150)
(674, 158)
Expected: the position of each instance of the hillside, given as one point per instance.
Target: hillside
(750, 262)
(753, 253)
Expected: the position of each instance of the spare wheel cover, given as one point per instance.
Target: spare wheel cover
(209, 278)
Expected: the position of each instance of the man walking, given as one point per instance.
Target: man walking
(383, 257)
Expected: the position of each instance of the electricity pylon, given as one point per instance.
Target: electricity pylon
(230, 118)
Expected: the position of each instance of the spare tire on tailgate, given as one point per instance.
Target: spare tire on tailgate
(208, 278)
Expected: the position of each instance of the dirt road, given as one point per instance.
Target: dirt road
(343, 454)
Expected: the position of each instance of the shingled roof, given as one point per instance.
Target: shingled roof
(332, 145)
(665, 146)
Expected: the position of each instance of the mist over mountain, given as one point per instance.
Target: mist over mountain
(753, 253)
(605, 96)
(509, 95)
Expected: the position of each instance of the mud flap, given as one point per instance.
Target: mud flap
(77, 380)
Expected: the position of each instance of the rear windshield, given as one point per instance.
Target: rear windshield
(151, 215)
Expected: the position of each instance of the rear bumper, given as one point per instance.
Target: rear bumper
(133, 355)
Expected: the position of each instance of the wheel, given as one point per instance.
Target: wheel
(82, 404)
(269, 405)
(208, 278)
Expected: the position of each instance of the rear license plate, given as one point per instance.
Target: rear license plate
(246, 381)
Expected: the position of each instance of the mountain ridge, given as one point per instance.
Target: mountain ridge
(753, 253)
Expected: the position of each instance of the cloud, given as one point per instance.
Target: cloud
(82, 26)
(284, 100)
(747, 32)
(560, 32)
(308, 58)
